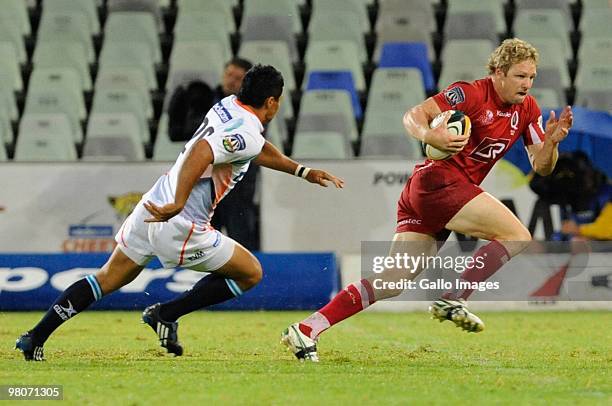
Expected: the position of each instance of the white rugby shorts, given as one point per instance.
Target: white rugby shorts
(177, 242)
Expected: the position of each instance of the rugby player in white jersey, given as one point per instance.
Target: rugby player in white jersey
(172, 221)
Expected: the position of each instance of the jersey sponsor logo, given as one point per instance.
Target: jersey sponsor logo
(233, 143)
(503, 113)
(454, 95)
(486, 117)
(222, 112)
(199, 254)
(489, 149)
(514, 121)
(410, 221)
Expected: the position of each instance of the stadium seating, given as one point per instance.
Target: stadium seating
(401, 79)
(6, 132)
(341, 27)
(124, 78)
(196, 56)
(594, 77)
(342, 80)
(495, 8)
(467, 51)
(270, 28)
(123, 101)
(422, 9)
(274, 7)
(134, 28)
(403, 27)
(64, 54)
(533, 24)
(165, 149)
(548, 98)
(399, 44)
(10, 32)
(114, 136)
(595, 4)
(45, 137)
(147, 6)
(330, 103)
(9, 65)
(8, 103)
(408, 55)
(595, 99)
(204, 28)
(67, 26)
(561, 5)
(112, 148)
(390, 146)
(275, 53)
(338, 7)
(53, 101)
(16, 10)
(61, 80)
(471, 25)
(276, 133)
(334, 55)
(87, 7)
(321, 145)
(195, 7)
(595, 50)
(595, 23)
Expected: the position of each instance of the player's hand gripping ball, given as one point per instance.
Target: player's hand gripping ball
(458, 124)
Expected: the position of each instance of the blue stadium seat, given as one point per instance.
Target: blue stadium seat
(405, 55)
(336, 80)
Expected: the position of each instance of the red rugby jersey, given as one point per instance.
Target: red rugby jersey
(495, 125)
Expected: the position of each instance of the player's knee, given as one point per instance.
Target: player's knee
(255, 274)
(522, 237)
(516, 240)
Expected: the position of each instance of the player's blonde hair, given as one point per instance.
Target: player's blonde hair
(511, 51)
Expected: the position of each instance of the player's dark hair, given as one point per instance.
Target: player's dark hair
(259, 83)
(240, 62)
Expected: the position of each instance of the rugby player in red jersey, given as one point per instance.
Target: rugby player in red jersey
(443, 196)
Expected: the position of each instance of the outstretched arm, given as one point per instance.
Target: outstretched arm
(543, 156)
(199, 158)
(272, 158)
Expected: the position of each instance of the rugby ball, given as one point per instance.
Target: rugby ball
(458, 123)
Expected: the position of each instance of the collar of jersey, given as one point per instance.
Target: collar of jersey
(250, 110)
(499, 103)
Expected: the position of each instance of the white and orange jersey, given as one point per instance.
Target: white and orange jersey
(234, 134)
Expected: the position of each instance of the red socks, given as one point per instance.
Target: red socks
(351, 300)
(494, 255)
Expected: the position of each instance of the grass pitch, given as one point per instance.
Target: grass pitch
(235, 358)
